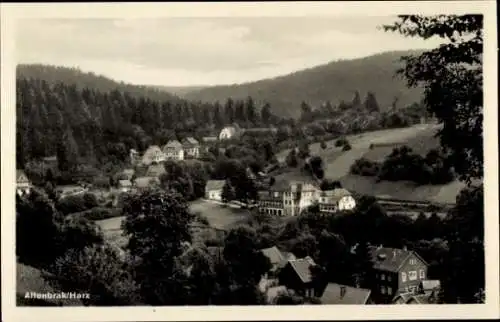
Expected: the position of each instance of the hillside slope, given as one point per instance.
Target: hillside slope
(337, 163)
(334, 81)
(69, 76)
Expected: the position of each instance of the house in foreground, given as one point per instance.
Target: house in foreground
(213, 189)
(277, 258)
(395, 271)
(296, 275)
(23, 184)
(343, 294)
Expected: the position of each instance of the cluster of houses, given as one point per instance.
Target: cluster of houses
(189, 148)
(398, 276)
(285, 198)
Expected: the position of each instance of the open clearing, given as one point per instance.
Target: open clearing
(420, 138)
(218, 216)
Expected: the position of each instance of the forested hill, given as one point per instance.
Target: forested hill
(332, 82)
(55, 74)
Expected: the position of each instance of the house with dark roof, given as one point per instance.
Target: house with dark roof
(213, 189)
(395, 271)
(411, 298)
(191, 147)
(23, 184)
(343, 294)
(297, 276)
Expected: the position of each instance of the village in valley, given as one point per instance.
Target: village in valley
(236, 203)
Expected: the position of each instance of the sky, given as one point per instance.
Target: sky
(204, 51)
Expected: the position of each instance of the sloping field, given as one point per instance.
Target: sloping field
(420, 138)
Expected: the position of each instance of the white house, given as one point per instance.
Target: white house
(213, 189)
(153, 155)
(336, 200)
(23, 184)
(230, 132)
(191, 147)
(174, 150)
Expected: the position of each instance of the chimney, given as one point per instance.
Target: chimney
(342, 291)
(393, 255)
(405, 248)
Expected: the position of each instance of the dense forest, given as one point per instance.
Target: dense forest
(87, 119)
(334, 82)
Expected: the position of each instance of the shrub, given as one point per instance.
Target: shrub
(323, 145)
(346, 147)
(365, 167)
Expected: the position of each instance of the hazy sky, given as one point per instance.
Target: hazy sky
(206, 51)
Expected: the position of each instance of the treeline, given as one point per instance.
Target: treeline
(89, 124)
(402, 164)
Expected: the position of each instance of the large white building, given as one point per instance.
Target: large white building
(291, 198)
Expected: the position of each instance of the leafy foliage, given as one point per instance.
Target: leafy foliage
(452, 78)
(157, 223)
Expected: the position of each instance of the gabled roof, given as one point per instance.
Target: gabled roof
(209, 139)
(128, 172)
(215, 184)
(430, 285)
(144, 182)
(419, 299)
(155, 170)
(191, 141)
(391, 259)
(302, 268)
(403, 296)
(274, 254)
(124, 183)
(337, 193)
(52, 158)
(343, 294)
(173, 144)
(21, 176)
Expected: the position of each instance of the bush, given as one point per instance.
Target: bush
(365, 167)
(99, 213)
(323, 145)
(340, 142)
(346, 147)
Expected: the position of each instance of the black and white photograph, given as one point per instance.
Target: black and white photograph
(224, 160)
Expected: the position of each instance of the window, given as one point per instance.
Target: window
(412, 275)
(422, 274)
(389, 278)
(413, 261)
(389, 290)
(382, 289)
(403, 277)
(382, 277)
